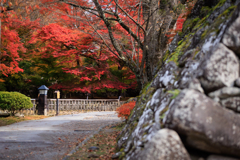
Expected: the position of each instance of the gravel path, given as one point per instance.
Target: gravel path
(51, 138)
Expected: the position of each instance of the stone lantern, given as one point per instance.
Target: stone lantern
(42, 100)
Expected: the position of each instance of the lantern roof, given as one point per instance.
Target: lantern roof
(43, 87)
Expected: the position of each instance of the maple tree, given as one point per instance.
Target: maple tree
(125, 30)
(11, 45)
(107, 25)
(76, 53)
(86, 46)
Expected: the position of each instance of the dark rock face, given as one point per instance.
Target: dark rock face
(231, 37)
(166, 77)
(188, 73)
(165, 145)
(225, 92)
(232, 103)
(237, 83)
(128, 135)
(174, 43)
(196, 92)
(216, 157)
(200, 119)
(219, 69)
(195, 84)
(148, 124)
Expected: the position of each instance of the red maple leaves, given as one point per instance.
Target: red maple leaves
(79, 42)
(125, 109)
(11, 44)
(80, 56)
(180, 20)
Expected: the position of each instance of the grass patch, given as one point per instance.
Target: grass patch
(105, 140)
(13, 119)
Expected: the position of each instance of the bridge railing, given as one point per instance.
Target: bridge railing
(79, 105)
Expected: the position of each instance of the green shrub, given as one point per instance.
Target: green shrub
(14, 101)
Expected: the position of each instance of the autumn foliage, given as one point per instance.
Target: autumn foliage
(180, 20)
(125, 109)
(72, 48)
(11, 44)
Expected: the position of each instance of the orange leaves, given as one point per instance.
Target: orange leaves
(10, 4)
(180, 20)
(3, 8)
(125, 109)
(28, 9)
(105, 140)
(59, 40)
(11, 45)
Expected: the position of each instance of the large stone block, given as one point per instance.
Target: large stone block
(187, 74)
(165, 145)
(219, 69)
(225, 92)
(231, 37)
(217, 157)
(237, 83)
(205, 124)
(232, 103)
(195, 84)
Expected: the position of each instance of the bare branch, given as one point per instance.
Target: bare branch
(100, 36)
(113, 40)
(130, 32)
(129, 16)
(84, 7)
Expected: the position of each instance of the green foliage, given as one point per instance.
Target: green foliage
(220, 3)
(175, 93)
(14, 101)
(147, 86)
(166, 56)
(205, 11)
(214, 28)
(189, 24)
(180, 49)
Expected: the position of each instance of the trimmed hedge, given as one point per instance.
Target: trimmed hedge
(14, 101)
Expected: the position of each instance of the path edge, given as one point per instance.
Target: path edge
(86, 140)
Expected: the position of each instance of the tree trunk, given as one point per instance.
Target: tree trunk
(159, 16)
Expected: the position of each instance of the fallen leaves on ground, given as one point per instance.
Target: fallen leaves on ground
(14, 119)
(105, 140)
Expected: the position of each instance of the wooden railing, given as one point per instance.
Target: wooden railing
(79, 105)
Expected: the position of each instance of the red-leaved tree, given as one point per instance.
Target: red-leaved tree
(11, 47)
(81, 57)
(128, 30)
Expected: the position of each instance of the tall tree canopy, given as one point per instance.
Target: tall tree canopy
(82, 45)
(14, 30)
(132, 31)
